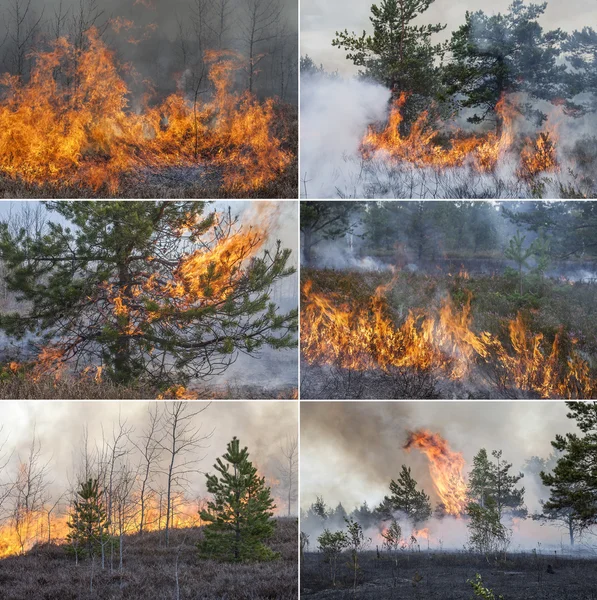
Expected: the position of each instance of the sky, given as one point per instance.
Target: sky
(261, 426)
(320, 21)
(350, 451)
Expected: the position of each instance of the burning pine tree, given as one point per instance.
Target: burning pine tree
(146, 291)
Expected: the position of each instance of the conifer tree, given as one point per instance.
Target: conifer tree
(398, 53)
(501, 54)
(406, 498)
(88, 522)
(155, 290)
(491, 483)
(573, 482)
(239, 517)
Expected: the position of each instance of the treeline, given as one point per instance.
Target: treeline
(487, 58)
(494, 496)
(159, 42)
(133, 482)
(418, 231)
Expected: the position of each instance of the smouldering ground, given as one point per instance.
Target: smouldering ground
(472, 336)
(443, 576)
(48, 573)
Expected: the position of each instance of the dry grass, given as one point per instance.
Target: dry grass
(48, 573)
(23, 387)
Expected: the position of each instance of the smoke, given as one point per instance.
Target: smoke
(351, 451)
(335, 113)
(157, 39)
(263, 427)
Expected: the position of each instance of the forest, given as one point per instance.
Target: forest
(154, 299)
(463, 299)
(148, 99)
(136, 510)
(501, 106)
(485, 531)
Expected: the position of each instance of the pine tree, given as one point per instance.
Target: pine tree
(407, 498)
(137, 286)
(494, 56)
(573, 482)
(399, 54)
(490, 483)
(519, 254)
(239, 517)
(88, 522)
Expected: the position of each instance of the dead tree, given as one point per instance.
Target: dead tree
(150, 452)
(181, 443)
(30, 493)
(288, 469)
(258, 26)
(22, 25)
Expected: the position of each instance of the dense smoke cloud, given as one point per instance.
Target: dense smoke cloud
(60, 426)
(351, 451)
(158, 38)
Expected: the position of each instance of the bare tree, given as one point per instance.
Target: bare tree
(6, 483)
(125, 510)
(30, 493)
(150, 450)
(288, 469)
(257, 27)
(182, 442)
(220, 25)
(22, 26)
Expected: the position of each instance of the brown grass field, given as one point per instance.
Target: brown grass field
(47, 572)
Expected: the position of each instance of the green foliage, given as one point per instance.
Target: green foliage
(392, 536)
(486, 533)
(501, 54)
(573, 481)
(88, 523)
(405, 497)
(490, 483)
(104, 281)
(356, 542)
(239, 517)
(332, 544)
(398, 53)
(480, 590)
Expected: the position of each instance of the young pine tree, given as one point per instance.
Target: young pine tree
(399, 53)
(88, 522)
(155, 291)
(407, 498)
(239, 517)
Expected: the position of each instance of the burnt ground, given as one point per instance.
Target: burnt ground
(431, 576)
(48, 573)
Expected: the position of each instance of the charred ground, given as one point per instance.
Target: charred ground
(423, 574)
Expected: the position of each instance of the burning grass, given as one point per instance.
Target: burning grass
(48, 573)
(21, 384)
(475, 336)
(70, 131)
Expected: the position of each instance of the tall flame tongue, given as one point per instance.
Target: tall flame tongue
(338, 332)
(482, 152)
(445, 467)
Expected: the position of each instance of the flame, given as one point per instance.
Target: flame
(445, 467)
(364, 336)
(70, 125)
(482, 152)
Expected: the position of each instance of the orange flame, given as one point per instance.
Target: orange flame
(483, 152)
(361, 337)
(75, 128)
(445, 467)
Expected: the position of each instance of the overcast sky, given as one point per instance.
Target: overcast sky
(320, 20)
